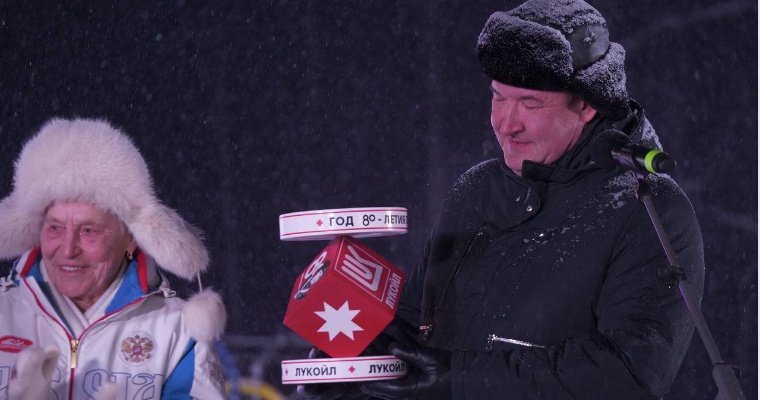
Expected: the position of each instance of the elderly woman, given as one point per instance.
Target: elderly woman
(86, 311)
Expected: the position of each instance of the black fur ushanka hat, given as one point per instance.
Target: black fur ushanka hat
(556, 45)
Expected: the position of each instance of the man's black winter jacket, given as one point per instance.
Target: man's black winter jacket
(545, 286)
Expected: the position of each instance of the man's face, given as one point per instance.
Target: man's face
(83, 248)
(536, 125)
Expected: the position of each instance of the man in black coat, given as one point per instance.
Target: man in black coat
(540, 279)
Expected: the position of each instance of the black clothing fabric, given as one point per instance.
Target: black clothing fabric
(545, 286)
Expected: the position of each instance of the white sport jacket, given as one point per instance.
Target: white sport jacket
(141, 344)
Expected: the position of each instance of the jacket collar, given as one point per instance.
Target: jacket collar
(141, 278)
(579, 159)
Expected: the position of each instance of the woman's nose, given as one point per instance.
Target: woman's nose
(70, 245)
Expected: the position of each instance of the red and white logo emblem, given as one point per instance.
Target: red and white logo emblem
(14, 344)
(137, 348)
(311, 275)
(338, 321)
(364, 271)
(360, 267)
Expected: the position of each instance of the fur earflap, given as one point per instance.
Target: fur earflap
(556, 45)
(205, 315)
(91, 161)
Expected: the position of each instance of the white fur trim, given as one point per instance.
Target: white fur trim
(205, 315)
(91, 161)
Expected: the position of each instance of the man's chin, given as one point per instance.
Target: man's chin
(514, 166)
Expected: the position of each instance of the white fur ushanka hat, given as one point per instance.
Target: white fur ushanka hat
(91, 161)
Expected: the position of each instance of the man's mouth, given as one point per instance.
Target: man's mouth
(517, 143)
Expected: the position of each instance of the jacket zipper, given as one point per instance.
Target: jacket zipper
(426, 330)
(74, 348)
(74, 343)
(455, 272)
(493, 338)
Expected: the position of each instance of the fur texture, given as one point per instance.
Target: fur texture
(91, 161)
(556, 45)
(205, 315)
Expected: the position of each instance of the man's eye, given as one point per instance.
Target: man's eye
(531, 105)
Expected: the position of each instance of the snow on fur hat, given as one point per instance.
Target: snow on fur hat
(556, 45)
(91, 161)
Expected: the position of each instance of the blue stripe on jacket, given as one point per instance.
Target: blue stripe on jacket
(179, 383)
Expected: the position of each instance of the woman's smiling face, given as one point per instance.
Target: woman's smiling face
(83, 248)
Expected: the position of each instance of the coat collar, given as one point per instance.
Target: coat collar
(141, 278)
(579, 160)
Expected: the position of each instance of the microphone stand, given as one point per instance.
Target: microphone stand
(723, 374)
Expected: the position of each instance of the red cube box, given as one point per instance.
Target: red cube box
(344, 298)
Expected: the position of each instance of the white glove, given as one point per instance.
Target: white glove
(108, 391)
(34, 373)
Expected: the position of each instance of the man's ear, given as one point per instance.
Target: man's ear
(586, 112)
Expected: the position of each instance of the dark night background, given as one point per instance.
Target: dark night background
(245, 110)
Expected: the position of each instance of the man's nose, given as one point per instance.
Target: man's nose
(508, 119)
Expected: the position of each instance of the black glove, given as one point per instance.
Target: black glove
(396, 331)
(428, 376)
(329, 391)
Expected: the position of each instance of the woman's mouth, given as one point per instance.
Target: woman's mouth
(70, 268)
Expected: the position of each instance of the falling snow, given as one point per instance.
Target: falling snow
(245, 110)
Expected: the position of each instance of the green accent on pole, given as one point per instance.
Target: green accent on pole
(649, 158)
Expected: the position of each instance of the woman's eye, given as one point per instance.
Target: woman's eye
(89, 231)
(54, 230)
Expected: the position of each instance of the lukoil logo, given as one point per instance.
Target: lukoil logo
(365, 272)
